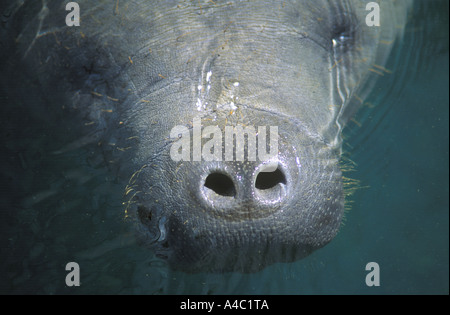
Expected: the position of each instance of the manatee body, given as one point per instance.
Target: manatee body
(133, 70)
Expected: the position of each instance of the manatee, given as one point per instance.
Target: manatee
(132, 71)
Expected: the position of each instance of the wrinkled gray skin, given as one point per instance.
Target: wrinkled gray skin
(134, 70)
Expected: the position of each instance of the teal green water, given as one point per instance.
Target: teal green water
(399, 215)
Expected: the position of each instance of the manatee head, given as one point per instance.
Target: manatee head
(303, 68)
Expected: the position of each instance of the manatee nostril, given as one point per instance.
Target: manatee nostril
(267, 180)
(221, 184)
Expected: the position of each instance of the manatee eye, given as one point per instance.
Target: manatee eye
(340, 38)
(343, 31)
(144, 214)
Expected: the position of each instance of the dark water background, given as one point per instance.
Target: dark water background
(57, 208)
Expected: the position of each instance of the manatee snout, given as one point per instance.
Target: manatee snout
(243, 215)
